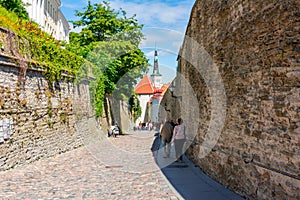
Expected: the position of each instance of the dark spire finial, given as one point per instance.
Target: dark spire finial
(155, 67)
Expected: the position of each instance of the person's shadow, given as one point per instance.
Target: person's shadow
(156, 143)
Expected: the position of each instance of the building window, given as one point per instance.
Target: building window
(51, 10)
(45, 8)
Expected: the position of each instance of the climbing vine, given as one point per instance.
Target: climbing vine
(38, 47)
(135, 108)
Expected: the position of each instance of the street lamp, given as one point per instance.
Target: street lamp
(172, 90)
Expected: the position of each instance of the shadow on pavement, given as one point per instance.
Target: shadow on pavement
(187, 180)
(156, 143)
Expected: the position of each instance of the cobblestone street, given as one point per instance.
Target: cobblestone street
(109, 168)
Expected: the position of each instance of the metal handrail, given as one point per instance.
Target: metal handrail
(247, 161)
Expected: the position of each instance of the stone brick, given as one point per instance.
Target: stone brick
(255, 45)
(38, 129)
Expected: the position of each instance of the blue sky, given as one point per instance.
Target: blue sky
(164, 22)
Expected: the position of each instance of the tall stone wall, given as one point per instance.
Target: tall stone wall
(256, 48)
(121, 115)
(39, 119)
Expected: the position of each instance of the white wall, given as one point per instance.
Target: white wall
(63, 27)
(143, 103)
(48, 15)
(154, 109)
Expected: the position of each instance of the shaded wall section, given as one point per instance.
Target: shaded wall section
(255, 46)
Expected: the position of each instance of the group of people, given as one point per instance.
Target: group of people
(145, 126)
(171, 132)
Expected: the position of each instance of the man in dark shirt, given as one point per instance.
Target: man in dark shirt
(166, 133)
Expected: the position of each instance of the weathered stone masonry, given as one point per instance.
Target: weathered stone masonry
(256, 46)
(45, 117)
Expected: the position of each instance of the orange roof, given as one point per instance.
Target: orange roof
(159, 93)
(156, 96)
(145, 86)
(164, 88)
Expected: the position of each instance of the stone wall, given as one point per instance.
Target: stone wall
(39, 119)
(255, 48)
(121, 115)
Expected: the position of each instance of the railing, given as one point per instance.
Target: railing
(248, 160)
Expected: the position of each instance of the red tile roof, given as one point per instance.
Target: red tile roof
(164, 88)
(145, 86)
(159, 93)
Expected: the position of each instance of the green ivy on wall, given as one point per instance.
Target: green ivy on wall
(41, 48)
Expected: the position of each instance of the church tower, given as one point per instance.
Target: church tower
(156, 77)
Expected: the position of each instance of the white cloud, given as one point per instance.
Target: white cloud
(159, 52)
(165, 23)
(77, 29)
(154, 13)
(150, 54)
(177, 44)
(71, 6)
(163, 39)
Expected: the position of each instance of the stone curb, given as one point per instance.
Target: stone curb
(171, 186)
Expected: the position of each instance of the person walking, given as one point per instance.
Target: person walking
(173, 124)
(166, 136)
(140, 126)
(178, 138)
(150, 125)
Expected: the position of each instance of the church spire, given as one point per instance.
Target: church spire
(155, 67)
(156, 76)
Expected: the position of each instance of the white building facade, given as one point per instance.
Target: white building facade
(50, 18)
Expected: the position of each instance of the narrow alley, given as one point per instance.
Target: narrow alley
(110, 168)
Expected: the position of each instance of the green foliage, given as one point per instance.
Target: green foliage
(15, 6)
(63, 117)
(41, 47)
(100, 22)
(47, 50)
(118, 65)
(99, 95)
(135, 108)
(76, 47)
(8, 19)
(109, 40)
(121, 63)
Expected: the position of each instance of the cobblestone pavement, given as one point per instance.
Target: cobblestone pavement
(109, 168)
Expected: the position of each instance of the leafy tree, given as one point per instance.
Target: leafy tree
(135, 107)
(109, 40)
(15, 6)
(121, 62)
(100, 22)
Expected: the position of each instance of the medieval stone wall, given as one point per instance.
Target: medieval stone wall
(39, 119)
(255, 46)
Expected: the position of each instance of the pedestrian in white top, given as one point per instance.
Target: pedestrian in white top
(179, 137)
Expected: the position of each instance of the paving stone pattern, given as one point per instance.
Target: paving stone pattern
(83, 173)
